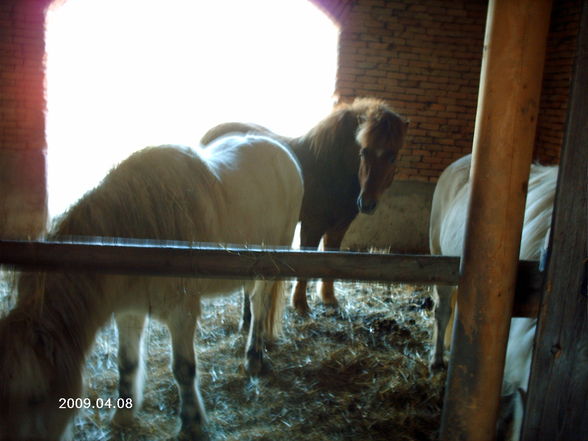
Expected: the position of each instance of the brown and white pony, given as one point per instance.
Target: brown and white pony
(447, 229)
(347, 160)
(168, 192)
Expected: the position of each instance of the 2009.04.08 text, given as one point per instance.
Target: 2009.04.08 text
(98, 403)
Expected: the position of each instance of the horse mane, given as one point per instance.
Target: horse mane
(538, 210)
(351, 123)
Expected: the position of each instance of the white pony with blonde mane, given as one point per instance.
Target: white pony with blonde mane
(447, 229)
(241, 190)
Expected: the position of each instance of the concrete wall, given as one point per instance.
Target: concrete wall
(400, 223)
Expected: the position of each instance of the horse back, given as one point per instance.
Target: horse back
(262, 189)
(449, 207)
(450, 204)
(234, 128)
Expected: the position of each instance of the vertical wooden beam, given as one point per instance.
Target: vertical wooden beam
(557, 403)
(510, 86)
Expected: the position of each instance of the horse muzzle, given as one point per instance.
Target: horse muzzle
(366, 206)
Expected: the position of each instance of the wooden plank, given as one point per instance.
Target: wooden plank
(557, 402)
(181, 259)
(206, 260)
(510, 87)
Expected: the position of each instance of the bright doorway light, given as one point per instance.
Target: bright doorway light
(123, 74)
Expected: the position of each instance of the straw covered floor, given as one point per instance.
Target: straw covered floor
(358, 372)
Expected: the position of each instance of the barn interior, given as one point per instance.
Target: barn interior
(359, 372)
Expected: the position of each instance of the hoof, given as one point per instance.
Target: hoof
(253, 362)
(253, 367)
(331, 302)
(123, 418)
(193, 433)
(437, 366)
(327, 291)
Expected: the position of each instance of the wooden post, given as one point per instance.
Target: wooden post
(510, 86)
(557, 401)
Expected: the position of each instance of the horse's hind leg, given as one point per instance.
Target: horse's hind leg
(310, 237)
(182, 325)
(245, 322)
(332, 242)
(266, 308)
(130, 366)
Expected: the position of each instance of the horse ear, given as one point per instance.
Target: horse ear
(347, 126)
(333, 133)
(394, 122)
(348, 120)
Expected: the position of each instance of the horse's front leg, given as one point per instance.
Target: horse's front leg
(130, 365)
(332, 242)
(310, 237)
(182, 325)
(442, 315)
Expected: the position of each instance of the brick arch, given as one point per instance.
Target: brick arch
(336, 11)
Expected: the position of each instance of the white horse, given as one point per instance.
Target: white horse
(241, 190)
(447, 229)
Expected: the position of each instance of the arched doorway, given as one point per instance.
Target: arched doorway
(123, 75)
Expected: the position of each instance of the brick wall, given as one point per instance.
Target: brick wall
(557, 76)
(22, 118)
(424, 58)
(22, 52)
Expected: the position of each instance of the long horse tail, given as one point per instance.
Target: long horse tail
(273, 323)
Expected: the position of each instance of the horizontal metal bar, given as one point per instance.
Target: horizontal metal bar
(181, 259)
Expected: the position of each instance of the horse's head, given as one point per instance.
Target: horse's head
(32, 382)
(380, 136)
